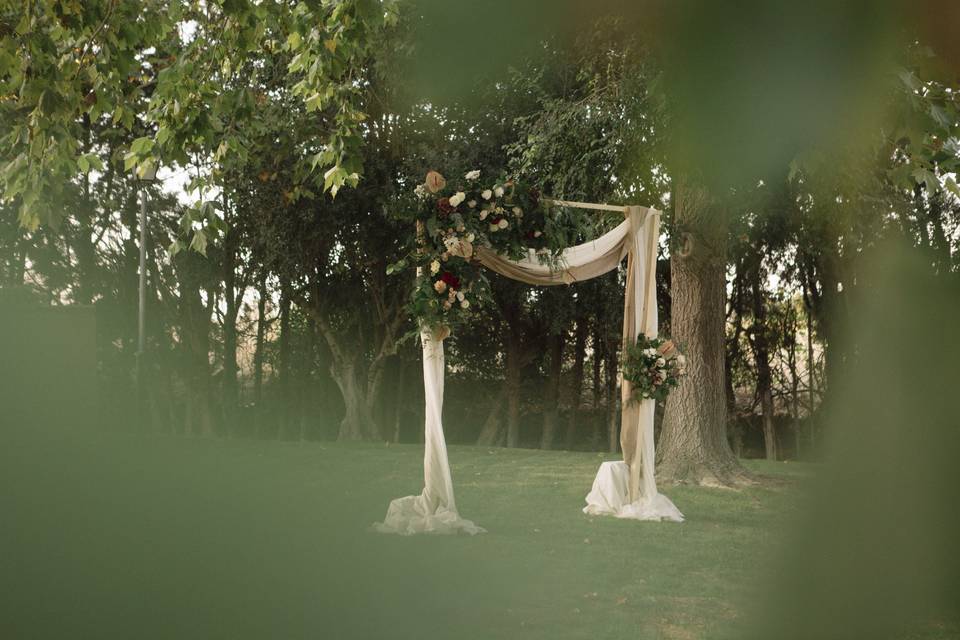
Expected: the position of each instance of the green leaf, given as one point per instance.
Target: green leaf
(314, 102)
(952, 186)
(199, 242)
(927, 177)
(142, 145)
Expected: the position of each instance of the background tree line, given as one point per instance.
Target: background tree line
(270, 311)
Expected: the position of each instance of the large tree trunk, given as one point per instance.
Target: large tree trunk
(357, 420)
(693, 442)
(359, 388)
(551, 395)
(576, 381)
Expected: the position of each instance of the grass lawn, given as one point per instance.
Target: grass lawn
(155, 537)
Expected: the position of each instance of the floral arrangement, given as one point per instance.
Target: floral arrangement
(654, 366)
(456, 217)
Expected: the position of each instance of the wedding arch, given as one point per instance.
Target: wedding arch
(624, 489)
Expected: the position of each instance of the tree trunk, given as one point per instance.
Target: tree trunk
(811, 422)
(306, 380)
(261, 340)
(760, 343)
(230, 388)
(399, 400)
(612, 362)
(513, 385)
(196, 344)
(791, 332)
(286, 374)
(597, 344)
(693, 441)
(357, 418)
(490, 432)
(576, 382)
(551, 396)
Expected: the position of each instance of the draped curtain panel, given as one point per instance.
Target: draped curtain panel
(625, 489)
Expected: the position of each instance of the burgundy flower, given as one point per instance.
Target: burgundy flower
(535, 196)
(443, 204)
(450, 279)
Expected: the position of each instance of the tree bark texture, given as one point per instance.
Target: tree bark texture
(693, 442)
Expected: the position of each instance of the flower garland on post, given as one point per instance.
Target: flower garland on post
(452, 220)
(654, 366)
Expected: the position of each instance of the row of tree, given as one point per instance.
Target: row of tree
(270, 311)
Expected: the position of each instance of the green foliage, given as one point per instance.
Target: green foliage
(503, 215)
(924, 141)
(185, 75)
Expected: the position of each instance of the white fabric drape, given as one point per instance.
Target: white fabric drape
(434, 510)
(626, 491)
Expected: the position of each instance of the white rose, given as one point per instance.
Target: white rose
(460, 296)
(457, 198)
(661, 362)
(465, 303)
(434, 267)
(472, 204)
(471, 237)
(483, 214)
(503, 223)
(498, 191)
(472, 175)
(486, 195)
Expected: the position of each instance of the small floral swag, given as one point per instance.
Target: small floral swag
(654, 366)
(457, 217)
